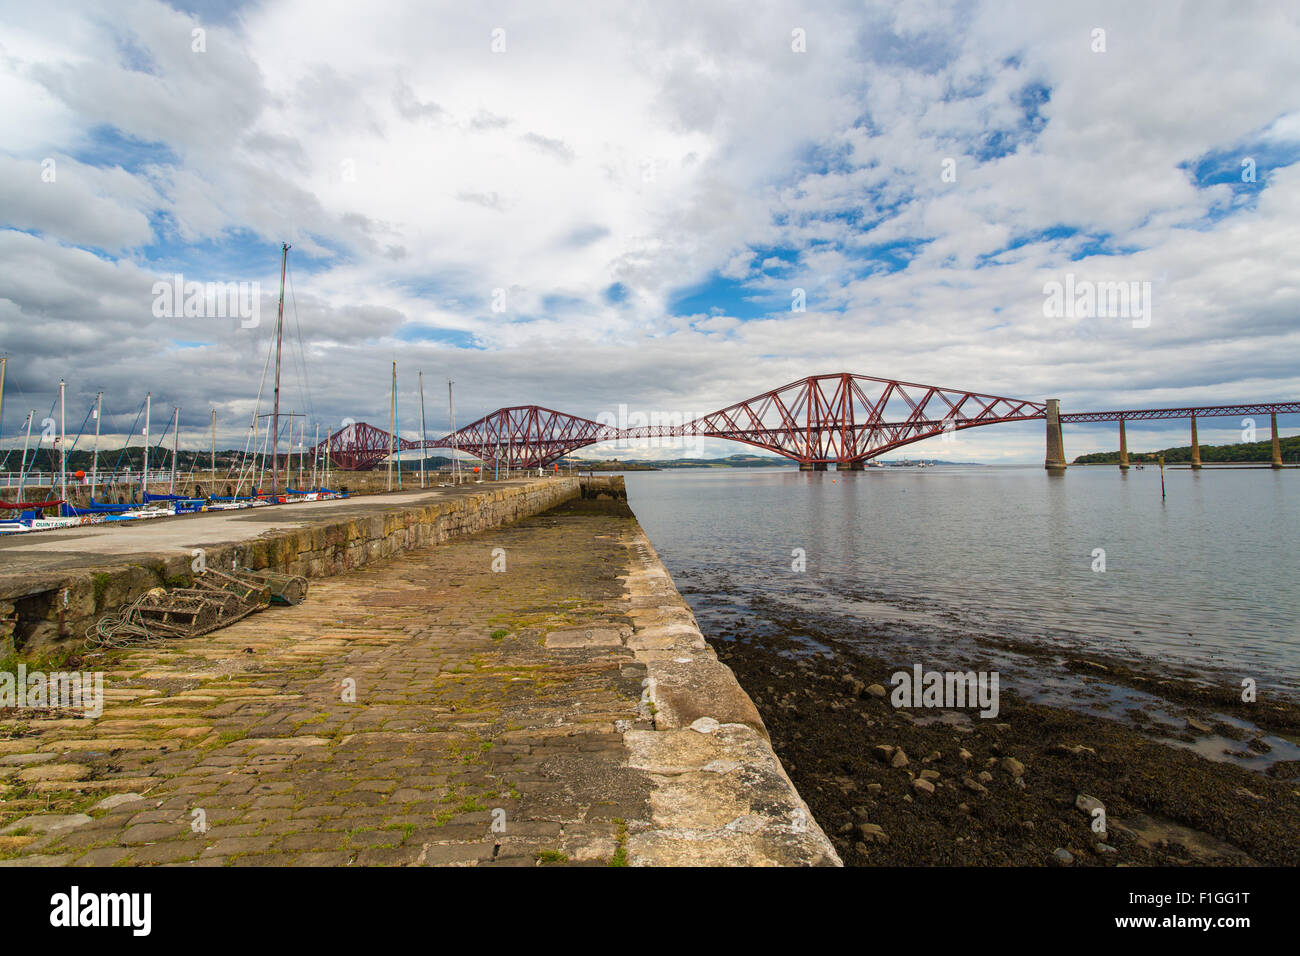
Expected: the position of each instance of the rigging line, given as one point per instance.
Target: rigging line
(303, 380)
(73, 446)
(252, 429)
(4, 463)
(48, 418)
(126, 446)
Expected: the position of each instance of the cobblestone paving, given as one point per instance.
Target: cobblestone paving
(469, 740)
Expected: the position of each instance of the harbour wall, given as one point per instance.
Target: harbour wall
(43, 609)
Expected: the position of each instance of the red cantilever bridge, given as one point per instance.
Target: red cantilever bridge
(841, 418)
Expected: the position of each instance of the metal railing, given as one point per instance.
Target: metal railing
(46, 479)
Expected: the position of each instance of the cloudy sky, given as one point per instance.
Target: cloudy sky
(581, 205)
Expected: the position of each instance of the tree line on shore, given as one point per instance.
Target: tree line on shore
(1255, 451)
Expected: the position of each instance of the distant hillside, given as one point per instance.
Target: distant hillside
(1255, 451)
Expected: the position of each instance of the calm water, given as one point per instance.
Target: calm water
(1206, 579)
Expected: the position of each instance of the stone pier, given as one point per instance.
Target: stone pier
(1277, 444)
(812, 466)
(1055, 461)
(515, 687)
(1196, 448)
(858, 465)
(1123, 447)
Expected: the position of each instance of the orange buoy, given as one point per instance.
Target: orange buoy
(80, 475)
(476, 469)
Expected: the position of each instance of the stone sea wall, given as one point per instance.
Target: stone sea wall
(38, 610)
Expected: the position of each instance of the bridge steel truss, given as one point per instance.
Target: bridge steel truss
(848, 418)
(818, 420)
(1200, 411)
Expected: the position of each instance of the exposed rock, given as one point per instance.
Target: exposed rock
(1070, 750)
(984, 777)
(1062, 856)
(971, 784)
(1200, 726)
(964, 754)
(1087, 804)
(884, 752)
(925, 786)
(705, 725)
(872, 833)
(899, 759)
(930, 775)
(1013, 766)
(876, 690)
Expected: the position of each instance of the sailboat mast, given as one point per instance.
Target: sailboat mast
(22, 474)
(315, 456)
(144, 472)
(392, 413)
(424, 452)
(279, 341)
(214, 447)
(176, 434)
(4, 361)
(63, 443)
(397, 426)
(94, 464)
(455, 458)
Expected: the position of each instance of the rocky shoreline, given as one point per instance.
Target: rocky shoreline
(934, 786)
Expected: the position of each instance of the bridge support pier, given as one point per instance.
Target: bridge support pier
(1196, 448)
(1123, 447)
(1277, 444)
(812, 466)
(1055, 461)
(850, 465)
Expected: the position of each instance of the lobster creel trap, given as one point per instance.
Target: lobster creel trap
(285, 588)
(217, 598)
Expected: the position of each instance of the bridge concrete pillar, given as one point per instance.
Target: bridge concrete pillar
(1123, 447)
(1196, 448)
(805, 466)
(1277, 444)
(850, 465)
(1055, 461)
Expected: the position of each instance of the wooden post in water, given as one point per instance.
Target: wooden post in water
(1162, 477)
